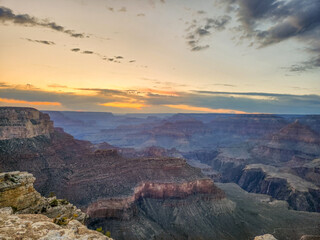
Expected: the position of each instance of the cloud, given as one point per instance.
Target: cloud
(146, 100)
(75, 49)
(57, 86)
(204, 109)
(114, 59)
(270, 22)
(201, 12)
(41, 41)
(7, 15)
(224, 85)
(124, 105)
(123, 9)
(198, 29)
(87, 52)
(199, 48)
(16, 101)
(3, 85)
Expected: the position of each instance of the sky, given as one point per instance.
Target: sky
(161, 56)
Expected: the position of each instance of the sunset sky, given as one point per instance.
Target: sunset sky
(161, 56)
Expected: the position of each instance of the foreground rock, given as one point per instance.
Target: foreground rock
(38, 226)
(25, 214)
(18, 193)
(265, 237)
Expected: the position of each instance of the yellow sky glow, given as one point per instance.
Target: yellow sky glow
(5, 100)
(124, 105)
(204, 109)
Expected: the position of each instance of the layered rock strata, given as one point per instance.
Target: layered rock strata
(299, 193)
(18, 193)
(38, 226)
(25, 214)
(123, 208)
(23, 123)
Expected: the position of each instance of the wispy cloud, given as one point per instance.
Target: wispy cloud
(123, 9)
(115, 59)
(41, 41)
(7, 15)
(199, 29)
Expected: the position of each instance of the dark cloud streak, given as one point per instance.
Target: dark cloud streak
(40, 41)
(7, 15)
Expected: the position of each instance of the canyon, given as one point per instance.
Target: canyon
(151, 177)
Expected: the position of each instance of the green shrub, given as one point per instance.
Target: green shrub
(54, 203)
(61, 221)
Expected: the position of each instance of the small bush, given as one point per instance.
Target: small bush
(61, 221)
(108, 234)
(54, 203)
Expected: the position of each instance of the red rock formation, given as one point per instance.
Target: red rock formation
(119, 207)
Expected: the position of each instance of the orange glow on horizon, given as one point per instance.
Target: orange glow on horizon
(204, 109)
(124, 105)
(6, 100)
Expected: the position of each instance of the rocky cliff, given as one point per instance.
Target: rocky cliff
(25, 214)
(18, 193)
(300, 194)
(120, 207)
(23, 123)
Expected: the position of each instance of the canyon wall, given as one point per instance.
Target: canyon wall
(23, 123)
(123, 208)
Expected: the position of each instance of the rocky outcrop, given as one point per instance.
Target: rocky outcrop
(265, 237)
(17, 192)
(120, 207)
(310, 237)
(38, 226)
(23, 123)
(25, 214)
(300, 194)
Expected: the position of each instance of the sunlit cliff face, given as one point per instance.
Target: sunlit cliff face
(161, 56)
